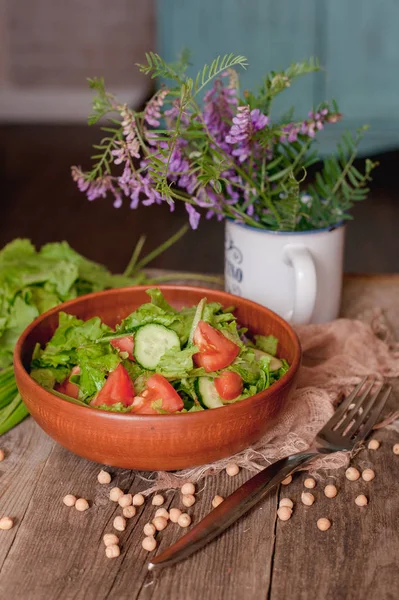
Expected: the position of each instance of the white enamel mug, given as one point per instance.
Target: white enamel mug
(296, 274)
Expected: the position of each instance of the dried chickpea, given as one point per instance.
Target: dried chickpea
(138, 500)
(232, 469)
(81, 504)
(217, 500)
(69, 500)
(188, 488)
(188, 500)
(115, 493)
(323, 524)
(368, 475)
(2, 454)
(129, 512)
(6, 523)
(309, 483)
(174, 514)
(396, 449)
(361, 500)
(184, 520)
(162, 512)
(158, 500)
(287, 480)
(110, 539)
(307, 498)
(330, 491)
(149, 529)
(159, 523)
(119, 524)
(373, 445)
(103, 477)
(284, 513)
(125, 500)
(112, 551)
(149, 543)
(352, 474)
(286, 502)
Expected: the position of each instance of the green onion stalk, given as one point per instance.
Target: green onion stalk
(12, 408)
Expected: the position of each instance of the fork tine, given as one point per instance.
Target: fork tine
(365, 413)
(358, 401)
(339, 413)
(373, 416)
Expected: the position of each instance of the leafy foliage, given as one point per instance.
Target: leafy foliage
(224, 153)
(340, 183)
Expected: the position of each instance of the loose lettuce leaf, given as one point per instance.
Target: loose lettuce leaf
(246, 366)
(267, 343)
(21, 313)
(157, 405)
(147, 313)
(117, 407)
(158, 299)
(95, 363)
(72, 332)
(47, 377)
(176, 364)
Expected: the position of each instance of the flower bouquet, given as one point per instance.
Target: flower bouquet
(201, 141)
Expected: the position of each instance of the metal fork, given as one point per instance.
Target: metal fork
(351, 423)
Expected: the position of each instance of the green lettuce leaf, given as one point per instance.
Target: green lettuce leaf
(176, 364)
(47, 377)
(267, 343)
(95, 363)
(158, 299)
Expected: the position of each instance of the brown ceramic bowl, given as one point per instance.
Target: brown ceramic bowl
(155, 442)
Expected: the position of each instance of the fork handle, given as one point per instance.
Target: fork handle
(231, 509)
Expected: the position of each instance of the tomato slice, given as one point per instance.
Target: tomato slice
(158, 388)
(67, 387)
(118, 388)
(216, 351)
(229, 385)
(125, 344)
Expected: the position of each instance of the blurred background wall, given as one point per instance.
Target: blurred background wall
(356, 41)
(49, 47)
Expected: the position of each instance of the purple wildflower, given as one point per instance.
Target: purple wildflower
(152, 111)
(241, 128)
(258, 119)
(219, 107)
(245, 123)
(79, 177)
(193, 216)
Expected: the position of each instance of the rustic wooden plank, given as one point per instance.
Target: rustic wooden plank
(66, 548)
(357, 557)
(56, 552)
(27, 449)
(236, 565)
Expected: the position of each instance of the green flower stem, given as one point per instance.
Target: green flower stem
(152, 255)
(131, 267)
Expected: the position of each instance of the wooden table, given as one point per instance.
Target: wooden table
(54, 552)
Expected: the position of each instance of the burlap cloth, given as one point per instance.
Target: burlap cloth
(336, 356)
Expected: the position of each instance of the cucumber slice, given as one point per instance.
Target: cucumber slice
(207, 393)
(151, 342)
(275, 363)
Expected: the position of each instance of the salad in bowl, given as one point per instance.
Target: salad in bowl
(158, 359)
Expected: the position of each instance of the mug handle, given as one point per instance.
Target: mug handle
(300, 258)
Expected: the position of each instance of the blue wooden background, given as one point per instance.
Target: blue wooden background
(357, 42)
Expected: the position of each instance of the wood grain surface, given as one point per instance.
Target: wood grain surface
(55, 552)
